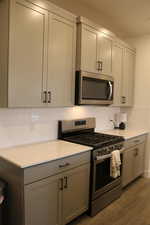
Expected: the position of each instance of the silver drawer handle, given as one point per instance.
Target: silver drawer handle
(64, 165)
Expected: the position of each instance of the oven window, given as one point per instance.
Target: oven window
(103, 174)
(94, 89)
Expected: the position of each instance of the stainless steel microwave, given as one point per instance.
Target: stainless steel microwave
(93, 89)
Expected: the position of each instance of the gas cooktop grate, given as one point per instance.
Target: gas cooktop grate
(94, 139)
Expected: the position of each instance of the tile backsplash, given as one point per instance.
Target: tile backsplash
(23, 126)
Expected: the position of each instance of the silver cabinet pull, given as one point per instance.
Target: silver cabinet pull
(49, 96)
(64, 165)
(123, 99)
(61, 184)
(136, 152)
(45, 97)
(111, 90)
(66, 182)
(100, 65)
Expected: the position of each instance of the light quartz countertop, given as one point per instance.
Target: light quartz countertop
(127, 134)
(35, 154)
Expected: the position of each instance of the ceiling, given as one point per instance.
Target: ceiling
(130, 17)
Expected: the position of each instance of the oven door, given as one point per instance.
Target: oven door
(102, 181)
(94, 89)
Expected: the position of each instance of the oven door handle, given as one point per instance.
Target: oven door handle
(110, 90)
(101, 158)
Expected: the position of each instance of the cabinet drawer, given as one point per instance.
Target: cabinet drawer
(135, 141)
(39, 172)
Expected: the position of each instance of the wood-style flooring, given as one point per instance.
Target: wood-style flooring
(132, 208)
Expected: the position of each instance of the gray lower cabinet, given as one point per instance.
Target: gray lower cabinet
(43, 202)
(139, 160)
(133, 163)
(52, 193)
(127, 167)
(76, 193)
(59, 199)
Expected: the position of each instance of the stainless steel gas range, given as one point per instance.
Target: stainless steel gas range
(103, 188)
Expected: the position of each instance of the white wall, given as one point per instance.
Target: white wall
(21, 126)
(82, 9)
(139, 115)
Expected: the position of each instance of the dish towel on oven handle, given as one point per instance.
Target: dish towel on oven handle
(115, 164)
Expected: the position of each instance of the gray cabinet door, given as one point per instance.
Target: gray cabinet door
(27, 61)
(43, 202)
(105, 53)
(139, 160)
(89, 42)
(128, 77)
(61, 61)
(133, 163)
(117, 72)
(75, 193)
(128, 167)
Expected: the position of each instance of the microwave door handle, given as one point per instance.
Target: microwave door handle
(110, 90)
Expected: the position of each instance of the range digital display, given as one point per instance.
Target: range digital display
(80, 122)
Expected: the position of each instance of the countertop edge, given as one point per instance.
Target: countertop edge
(49, 160)
(126, 137)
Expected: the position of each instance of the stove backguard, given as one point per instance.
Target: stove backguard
(68, 127)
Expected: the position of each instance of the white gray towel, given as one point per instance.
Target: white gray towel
(115, 164)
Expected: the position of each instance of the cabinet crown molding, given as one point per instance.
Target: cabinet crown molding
(97, 27)
(47, 5)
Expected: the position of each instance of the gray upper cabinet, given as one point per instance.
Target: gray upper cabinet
(100, 51)
(123, 64)
(61, 61)
(28, 43)
(128, 77)
(117, 67)
(87, 49)
(105, 54)
(94, 48)
(41, 56)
